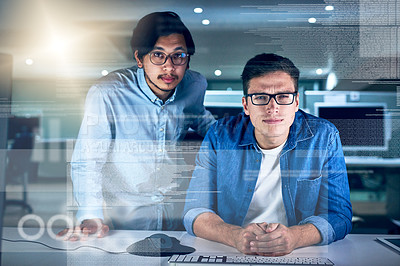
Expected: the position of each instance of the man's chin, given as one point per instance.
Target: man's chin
(167, 88)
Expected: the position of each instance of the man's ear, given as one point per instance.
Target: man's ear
(297, 101)
(187, 66)
(138, 61)
(245, 107)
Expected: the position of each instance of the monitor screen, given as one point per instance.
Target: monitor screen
(222, 112)
(17, 125)
(362, 126)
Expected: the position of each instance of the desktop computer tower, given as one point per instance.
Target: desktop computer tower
(5, 110)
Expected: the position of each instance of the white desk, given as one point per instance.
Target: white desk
(353, 250)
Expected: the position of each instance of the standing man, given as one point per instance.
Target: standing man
(126, 159)
(274, 178)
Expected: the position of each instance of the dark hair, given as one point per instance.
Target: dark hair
(157, 24)
(263, 64)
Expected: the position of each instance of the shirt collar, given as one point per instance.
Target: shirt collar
(248, 136)
(148, 92)
(299, 131)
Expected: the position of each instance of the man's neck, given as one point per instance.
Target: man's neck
(270, 142)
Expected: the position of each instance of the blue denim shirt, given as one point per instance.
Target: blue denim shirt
(315, 186)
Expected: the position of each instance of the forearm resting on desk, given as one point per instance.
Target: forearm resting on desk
(262, 239)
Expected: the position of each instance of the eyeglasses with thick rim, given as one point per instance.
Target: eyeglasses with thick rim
(159, 58)
(280, 101)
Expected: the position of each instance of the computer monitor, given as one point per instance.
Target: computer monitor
(22, 124)
(223, 103)
(222, 112)
(362, 126)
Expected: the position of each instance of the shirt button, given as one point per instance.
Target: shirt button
(257, 161)
(157, 198)
(162, 107)
(161, 129)
(160, 150)
(158, 168)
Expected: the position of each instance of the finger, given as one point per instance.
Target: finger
(74, 237)
(263, 225)
(269, 236)
(271, 227)
(103, 232)
(273, 231)
(276, 246)
(88, 228)
(258, 229)
(62, 233)
(69, 233)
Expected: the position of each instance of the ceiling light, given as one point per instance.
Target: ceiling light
(205, 22)
(198, 10)
(29, 61)
(331, 81)
(104, 72)
(218, 72)
(312, 20)
(329, 8)
(319, 71)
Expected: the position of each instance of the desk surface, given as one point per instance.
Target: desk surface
(353, 250)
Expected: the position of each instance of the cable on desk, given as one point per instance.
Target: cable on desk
(63, 249)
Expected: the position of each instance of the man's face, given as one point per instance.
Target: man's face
(272, 122)
(162, 79)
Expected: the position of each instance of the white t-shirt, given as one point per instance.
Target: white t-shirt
(267, 202)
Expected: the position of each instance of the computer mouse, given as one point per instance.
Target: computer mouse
(158, 245)
(160, 241)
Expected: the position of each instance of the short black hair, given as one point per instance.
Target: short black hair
(263, 64)
(157, 24)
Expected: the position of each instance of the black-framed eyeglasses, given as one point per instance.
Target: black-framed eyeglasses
(285, 98)
(159, 58)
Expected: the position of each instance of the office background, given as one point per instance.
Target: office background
(347, 51)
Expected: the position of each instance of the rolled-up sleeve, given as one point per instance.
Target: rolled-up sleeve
(190, 217)
(334, 212)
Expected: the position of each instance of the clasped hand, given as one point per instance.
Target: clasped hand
(265, 239)
(86, 228)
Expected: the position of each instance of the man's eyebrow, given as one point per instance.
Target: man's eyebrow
(176, 48)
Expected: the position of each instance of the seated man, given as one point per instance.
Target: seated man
(273, 178)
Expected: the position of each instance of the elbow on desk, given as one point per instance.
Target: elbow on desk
(342, 227)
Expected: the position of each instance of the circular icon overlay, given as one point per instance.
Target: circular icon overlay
(27, 218)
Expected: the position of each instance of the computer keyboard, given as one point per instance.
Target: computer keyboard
(186, 260)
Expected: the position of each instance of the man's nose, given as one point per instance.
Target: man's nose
(168, 65)
(272, 106)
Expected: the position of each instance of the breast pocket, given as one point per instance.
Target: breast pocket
(307, 197)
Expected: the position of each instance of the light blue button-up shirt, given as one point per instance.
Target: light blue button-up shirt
(315, 187)
(127, 158)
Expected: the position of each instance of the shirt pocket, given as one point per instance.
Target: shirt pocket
(307, 197)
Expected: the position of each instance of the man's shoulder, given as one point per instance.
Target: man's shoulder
(194, 76)
(232, 127)
(125, 77)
